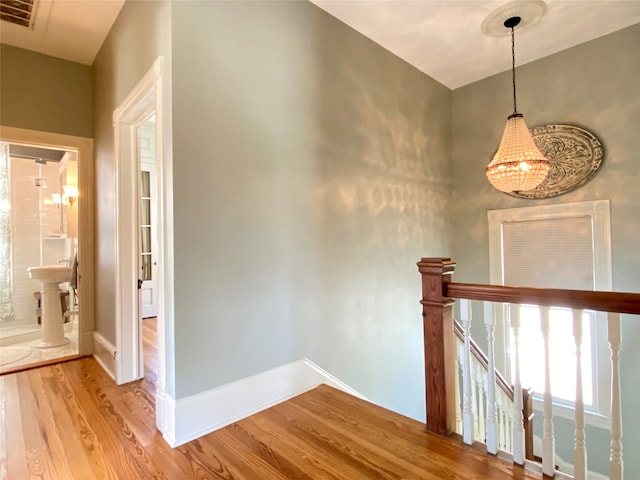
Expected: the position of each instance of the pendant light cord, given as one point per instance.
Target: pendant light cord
(513, 68)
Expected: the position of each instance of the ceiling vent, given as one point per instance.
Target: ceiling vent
(18, 12)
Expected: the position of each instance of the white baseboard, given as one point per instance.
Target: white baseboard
(86, 343)
(192, 417)
(329, 379)
(165, 416)
(104, 353)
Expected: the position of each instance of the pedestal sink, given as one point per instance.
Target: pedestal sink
(52, 321)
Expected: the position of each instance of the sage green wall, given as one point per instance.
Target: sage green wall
(141, 33)
(311, 172)
(44, 93)
(595, 85)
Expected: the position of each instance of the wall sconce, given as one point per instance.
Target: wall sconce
(57, 200)
(71, 193)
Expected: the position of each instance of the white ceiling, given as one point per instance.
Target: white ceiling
(443, 37)
(69, 29)
(440, 37)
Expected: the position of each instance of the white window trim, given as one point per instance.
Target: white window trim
(599, 211)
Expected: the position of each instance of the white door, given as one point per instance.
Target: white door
(148, 215)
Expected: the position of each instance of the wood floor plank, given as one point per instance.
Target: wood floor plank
(170, 460)
(134, 448)
(217, 450)
(400, 457)
(3, 432)
(74, 451)
(414, 457)
(47, 443)
(326, 438)
(280, 455)
(37, 461)
(328, 450)
(202, 455)
(239, 450)
(16, 455)
(314, 462)
(442, 453)
(120, 461)
(89, 444)
(131, 416)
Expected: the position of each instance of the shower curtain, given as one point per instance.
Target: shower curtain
(6, 278)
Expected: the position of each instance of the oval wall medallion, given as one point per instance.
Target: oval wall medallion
(574, 153)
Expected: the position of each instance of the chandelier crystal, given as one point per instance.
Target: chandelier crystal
(518, 165)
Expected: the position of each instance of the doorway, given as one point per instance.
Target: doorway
(47, 220)
(142, 110)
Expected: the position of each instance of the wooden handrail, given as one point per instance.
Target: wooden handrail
(582, 299)
(438, 294)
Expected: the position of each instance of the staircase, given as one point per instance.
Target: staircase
(455, 401)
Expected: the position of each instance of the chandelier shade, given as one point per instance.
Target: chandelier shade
(518, 165)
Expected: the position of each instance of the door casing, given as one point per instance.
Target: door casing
(148, 97)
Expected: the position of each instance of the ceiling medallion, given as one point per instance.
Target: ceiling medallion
(574, 154)
(529, 11)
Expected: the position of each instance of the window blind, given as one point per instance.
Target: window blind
(550, 253)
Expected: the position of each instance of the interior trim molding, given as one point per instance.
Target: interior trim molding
(192, 417)
(105, 354)
(165, 416)
(145, 99)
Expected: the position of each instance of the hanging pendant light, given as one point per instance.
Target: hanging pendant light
(518, 165)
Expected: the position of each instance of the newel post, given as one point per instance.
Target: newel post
(439, 344)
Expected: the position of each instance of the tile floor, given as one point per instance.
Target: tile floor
(19, 346)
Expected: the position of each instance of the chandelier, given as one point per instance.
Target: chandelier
(518, 165)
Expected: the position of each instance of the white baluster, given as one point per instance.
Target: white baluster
(505, 410)
(548, 438)
(474, 399)
(459, 348)
(518, 428)
(509, 429)
(615, 460)
(492, 419)
(467, 413)
(500, 417)
(579, 449)
(481, 382)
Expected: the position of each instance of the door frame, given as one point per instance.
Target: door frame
(148, 96)
(86, 244)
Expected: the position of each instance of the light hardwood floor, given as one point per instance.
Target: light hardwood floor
(70, 421)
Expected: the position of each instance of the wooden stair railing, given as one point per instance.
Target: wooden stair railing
(507, 389)
(480, 356)
(438, 293)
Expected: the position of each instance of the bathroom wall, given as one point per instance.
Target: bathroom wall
(35, 230)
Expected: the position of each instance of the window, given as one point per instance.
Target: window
(556, 246)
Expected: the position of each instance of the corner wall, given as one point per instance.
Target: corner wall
(595, 85)
(141, 33)
(311, 172)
